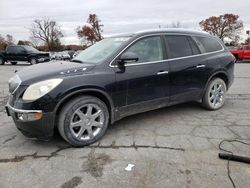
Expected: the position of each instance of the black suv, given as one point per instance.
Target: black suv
(15, 53)
(117, 77)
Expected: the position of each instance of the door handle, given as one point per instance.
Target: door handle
(200, 66)
(162, 72)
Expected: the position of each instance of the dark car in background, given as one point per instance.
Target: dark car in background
(117, 77)
(15, 53)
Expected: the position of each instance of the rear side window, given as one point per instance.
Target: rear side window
(193, 46)
(207, 44)
(178, 46)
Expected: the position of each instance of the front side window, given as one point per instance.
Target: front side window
(248, 48)
(207, 44)
(178, 46)
(147, 49)
(19, 50)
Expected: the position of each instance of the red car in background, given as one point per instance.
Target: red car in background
(241, 53)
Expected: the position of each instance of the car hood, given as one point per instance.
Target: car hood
(49, 70)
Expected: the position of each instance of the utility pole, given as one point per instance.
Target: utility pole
(248, 33)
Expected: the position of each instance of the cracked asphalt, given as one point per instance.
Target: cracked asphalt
(171, 147)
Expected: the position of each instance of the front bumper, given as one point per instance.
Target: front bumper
(42, 128)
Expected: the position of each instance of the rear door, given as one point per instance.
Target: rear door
(143, 85)
(187, 68)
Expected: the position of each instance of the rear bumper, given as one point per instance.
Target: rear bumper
(42, 128)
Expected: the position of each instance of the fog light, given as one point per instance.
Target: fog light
(29, 116)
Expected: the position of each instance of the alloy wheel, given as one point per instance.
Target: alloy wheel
(217, 94)
(87, 122)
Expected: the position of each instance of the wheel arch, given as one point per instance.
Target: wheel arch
(220, 74)
(102, 95)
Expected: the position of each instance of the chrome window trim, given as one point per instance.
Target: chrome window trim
(164, 60)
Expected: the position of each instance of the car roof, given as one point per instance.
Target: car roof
(165, 30)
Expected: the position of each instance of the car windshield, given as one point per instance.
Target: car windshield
(30, 49)
(100, 50)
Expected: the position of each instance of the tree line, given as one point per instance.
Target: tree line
(46, 34)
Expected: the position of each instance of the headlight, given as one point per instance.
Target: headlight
(39, 89)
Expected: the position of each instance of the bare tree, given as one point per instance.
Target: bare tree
(92, 31)
(227, 25)
(9, 39)
(47, 31)
(176, 24)
(2, 43)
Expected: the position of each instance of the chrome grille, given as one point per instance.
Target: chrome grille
(14, 83)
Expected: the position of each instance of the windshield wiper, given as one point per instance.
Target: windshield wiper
(77, 61)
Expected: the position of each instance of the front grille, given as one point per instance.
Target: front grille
(14, 83)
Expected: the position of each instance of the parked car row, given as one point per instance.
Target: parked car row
(17, 53)
(64, 55)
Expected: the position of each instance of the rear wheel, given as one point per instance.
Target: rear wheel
(214, 97)
(1, 61)
(33, 61)
(83, 120)
(13, 63)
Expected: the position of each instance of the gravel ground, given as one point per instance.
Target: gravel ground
(170, 147)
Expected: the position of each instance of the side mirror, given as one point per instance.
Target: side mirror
(128, 57)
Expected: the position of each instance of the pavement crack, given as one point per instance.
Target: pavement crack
(20, 158)
(136, 147)
(9, 139)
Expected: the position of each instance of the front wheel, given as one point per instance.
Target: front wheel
(33, 61)
(83, 121)
(215, 95)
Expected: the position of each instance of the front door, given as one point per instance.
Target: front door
(143, 85)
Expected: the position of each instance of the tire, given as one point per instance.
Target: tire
(1, 61)
(215, 94)
(13, 63)
(33, 61)
(81, 126)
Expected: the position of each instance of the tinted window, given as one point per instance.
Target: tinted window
(178, 46)
(193, 46)
(11, 49)
(207, 44)
(147, 49)
(248, 48)
(19, 50)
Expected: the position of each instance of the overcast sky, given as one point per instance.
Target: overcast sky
(118, 16)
